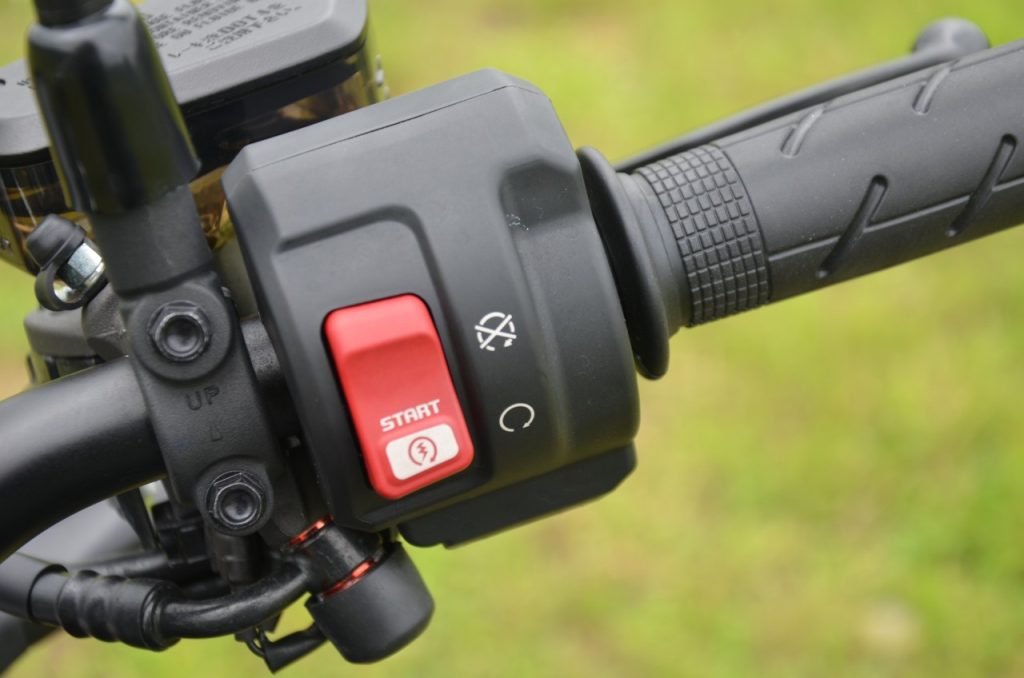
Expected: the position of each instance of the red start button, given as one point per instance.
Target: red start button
(400, 394)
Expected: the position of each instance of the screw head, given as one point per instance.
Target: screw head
(236, 501)
(180, 331)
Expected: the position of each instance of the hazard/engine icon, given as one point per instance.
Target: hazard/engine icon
(414, 453)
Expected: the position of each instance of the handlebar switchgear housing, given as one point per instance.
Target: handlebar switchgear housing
(467, 195)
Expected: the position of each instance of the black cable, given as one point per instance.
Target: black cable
(278, 654)
(152, 564)
(147, 613)
(191, 576)
(236, 611)
(206, 588)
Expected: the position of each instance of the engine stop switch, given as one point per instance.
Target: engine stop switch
(403, 404)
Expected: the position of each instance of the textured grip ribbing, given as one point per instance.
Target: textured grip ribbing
(866, 181)
(715, 231)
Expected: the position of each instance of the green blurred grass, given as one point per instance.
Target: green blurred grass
(829, 487)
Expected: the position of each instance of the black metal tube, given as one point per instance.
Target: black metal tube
(19, 575)
(16, 637)
(69, 444)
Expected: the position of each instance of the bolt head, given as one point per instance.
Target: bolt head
(236, 501)
(180, 331)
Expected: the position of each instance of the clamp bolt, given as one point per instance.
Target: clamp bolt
(180, 331)
(236, 501)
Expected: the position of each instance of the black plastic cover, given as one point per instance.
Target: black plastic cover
(468, 195)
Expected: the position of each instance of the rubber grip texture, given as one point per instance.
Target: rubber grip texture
(713, 225)
(863, 182)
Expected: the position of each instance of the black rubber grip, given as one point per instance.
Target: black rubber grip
(863, 182)
(713, 224)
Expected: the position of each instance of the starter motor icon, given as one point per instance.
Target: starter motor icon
(422, 450)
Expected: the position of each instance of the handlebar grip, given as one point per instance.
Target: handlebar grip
(866, 181)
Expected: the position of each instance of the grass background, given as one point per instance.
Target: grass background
(833, 486)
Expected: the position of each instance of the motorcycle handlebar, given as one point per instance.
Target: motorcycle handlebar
(71, 443)
(865, 181)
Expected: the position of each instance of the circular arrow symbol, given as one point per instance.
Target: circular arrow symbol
(531, 414)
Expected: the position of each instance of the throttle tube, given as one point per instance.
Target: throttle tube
(863, 182)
